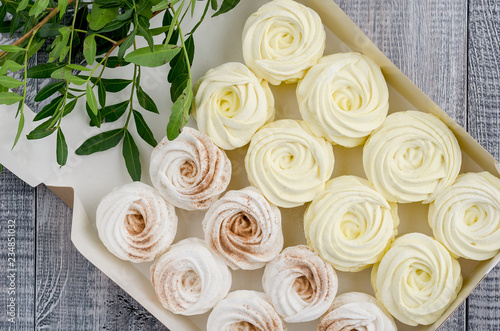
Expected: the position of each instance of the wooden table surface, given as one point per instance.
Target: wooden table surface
(449, 48)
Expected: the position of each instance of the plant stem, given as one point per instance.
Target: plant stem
(131, 95)
(185, 50)
(97, 35)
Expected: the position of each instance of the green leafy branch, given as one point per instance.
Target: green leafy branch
(93, 30)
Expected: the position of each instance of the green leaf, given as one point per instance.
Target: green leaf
(49, 109)
(59, 45)
(10, 82)
(44, 70)
(126, 15)
(78, 67)
(49, 29)
(160, 30)
(213, 3)
(144, 31)
(68, 108)
(20, 126)
(62, 5)
(114, 62)
(75, 80)
(114, 112)
(9, 98)
(143, 129)
(49, 90)
(112, 26)
(61, 148)
(35, 47)
(101, 142)
(101, 93)
(164, 4)
(10, 65)
(180, 113)
(100, 16)
(226, 6)
(12, 48)
(161, 55)
(91, 100)
(178, 86)
(43, 130)
(22, 5)
(132, 157)
(113, 85)
(126, 45)
(38, 7)
(95, 119)
(173, 22)
(146, 101)
(89, 49)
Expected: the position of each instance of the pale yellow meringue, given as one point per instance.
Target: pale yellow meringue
(282, 40)
(344, 98)
(350, 224)
(288, 164)
(417, 279)
(465, 217)
(412, 157)
(231, 104)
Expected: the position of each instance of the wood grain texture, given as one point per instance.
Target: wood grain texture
(17, 203)
(427, 40)
(71, 294)
(484, 126)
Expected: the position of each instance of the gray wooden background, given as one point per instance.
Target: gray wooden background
(449, 48)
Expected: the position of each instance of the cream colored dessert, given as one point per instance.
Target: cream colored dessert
(189, 279)
(244, 229)
(350, 224)
(288, 164)
(357, 311)
(465, 217)
(412, 157)
(231, 103)
(190, 171)
(300, 285)
(417, 279)
(135, 223)
(244, 310)
(282, 40)
(344, 98)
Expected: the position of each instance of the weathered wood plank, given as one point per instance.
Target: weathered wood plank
(427, 40)
(17, 236)
(71, 294)
(484, 126)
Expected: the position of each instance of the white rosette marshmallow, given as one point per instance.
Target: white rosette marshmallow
(135, 223)
(344, 98)
(288, 164)
(231, 104)
(190, 171)
(189, 279)
(282, 40)
(300, 285)
(350, 224)
(245, 311)
(412, 157)
(465, 217)
(417, 279)
(357, 311)
(244, 229)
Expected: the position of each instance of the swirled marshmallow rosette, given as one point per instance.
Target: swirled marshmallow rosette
(135, 223)
(244, 229)
(350, 224)
(245, 310)
(465, 217)
(344, 98)
(282, 40)
(191, 171)
(412, 157)
(357, 311)
(288, 164)
(231, 104)
(189, 279)
(300, 285)
(417, 279)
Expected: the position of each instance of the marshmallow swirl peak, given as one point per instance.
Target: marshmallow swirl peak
(300, 285)
(288, 164)
(282, 40)
(350, 224)
(188, 279)
(135, 223)
(190, 171)
(231, 103)
(244, 229)
(245, 311)
(417, 279)
(412, 157)
(357, 311)
(344, 98)
(465, 217)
